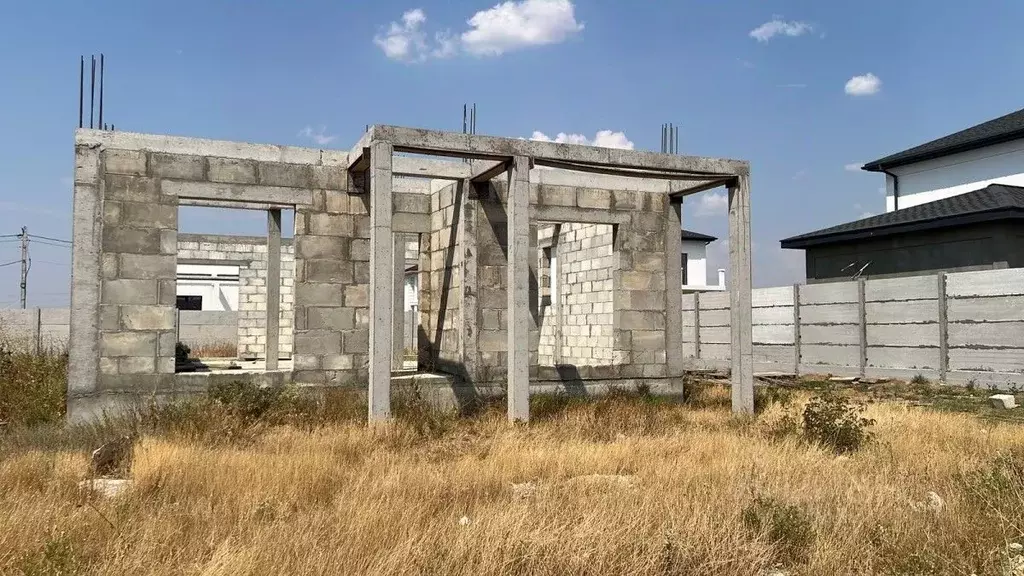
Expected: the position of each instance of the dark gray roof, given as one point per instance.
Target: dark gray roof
(994, 202)
(691, 235)
(1002, 129)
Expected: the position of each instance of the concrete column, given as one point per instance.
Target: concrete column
(943, 328)
(673, 289)
(273, 348)
(741, 315)
(398, 313)
(382, 282)
(469, 345)
(519, 289)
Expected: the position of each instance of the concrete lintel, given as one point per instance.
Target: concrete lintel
(654, 174)
(484, 170)
(243, 193)
(204, 147)
(477, 146)
(428, 168)
(740, 303)
(273, 348)
(382, 283)
(410, 223)
(359, 156)
(519, 316)
(233, 205)
(681, 189)
(562, 214)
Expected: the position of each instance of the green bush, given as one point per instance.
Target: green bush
(766, 396)
(833, 421)
(787, 527)
(32, 386)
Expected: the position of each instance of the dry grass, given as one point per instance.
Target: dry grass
(687, 489)
(214, 350)
(32, 386)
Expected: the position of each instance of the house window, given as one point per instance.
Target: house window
(189, 302)
(684, 259)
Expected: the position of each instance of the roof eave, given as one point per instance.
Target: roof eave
(881, 165)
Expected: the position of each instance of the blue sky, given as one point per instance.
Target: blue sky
(264, 72)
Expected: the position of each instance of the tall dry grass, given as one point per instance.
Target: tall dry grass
(618, 486)
(32, 386)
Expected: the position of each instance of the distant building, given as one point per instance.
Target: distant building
(695, 263)
(952, 204)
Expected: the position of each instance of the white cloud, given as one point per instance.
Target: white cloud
(513, 25)
(777, 26)
(505, 27)
(855, 167)
(863, 85)
(603, 138)
(317, 136)
(407, 42)
(712, 204)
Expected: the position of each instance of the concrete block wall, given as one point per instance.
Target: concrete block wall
(958, 327)
(34, 329)
(250, 254)
(441, 294)
(199, 328)
(585, 286)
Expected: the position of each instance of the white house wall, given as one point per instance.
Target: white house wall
(957, 174)
(696, 263)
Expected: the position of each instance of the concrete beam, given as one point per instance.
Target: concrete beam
(359, 156)
(652, 174)
(484, 170)
(381, 281)
(519, 289)
(490, 147)
(233, 205)
(562, 214)
(427, 168)
(740, 304)
(273, 288)
(243, 193)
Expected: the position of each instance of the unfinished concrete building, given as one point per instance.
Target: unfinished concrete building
(542, 266)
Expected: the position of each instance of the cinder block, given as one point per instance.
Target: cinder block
(593, 198)
(306, 362)
(109, 266)
(643, 300)
(337, 271)
(309, 294)
(231, 170)
(321, 247)
(131, 188)
(330, 318)
(637, 280)
(113, 344)
(108, 365)
(357, 295)
(131, 240)
(166, 292)
(137, 365)
(290, 175)
(166, 342)
(131, 162)
(145, 267)
(169, 242)
(319, 342)
(357, 341)
(129, 292)
(135, 317)
(324, 224)
(640, 320)
(110, 317)
(177, 166)
(165, 365)
(149, 215)
(111, 213)
(330, 178)
(626, 199)
(338, 362)
(409, 202)
(360, 250)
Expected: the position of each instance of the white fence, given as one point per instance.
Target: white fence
(959, 327)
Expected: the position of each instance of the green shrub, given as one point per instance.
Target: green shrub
(766, 396)
(787, 527)
(32, 386)
(833, 421)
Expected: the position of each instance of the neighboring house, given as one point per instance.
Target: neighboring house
(695, 263)
(952, 204)
(207, 287)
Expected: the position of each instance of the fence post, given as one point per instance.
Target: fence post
(943, 328)
(39, 331)
(863, 317)
(696, 325)
(796, 329)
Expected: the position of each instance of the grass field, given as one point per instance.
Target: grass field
(623, 485)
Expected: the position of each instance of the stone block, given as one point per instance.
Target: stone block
(649, 262)
(409, 202)
(149, 215)
(136, 317)
(647, 339)
(169, 242)
(137, 365)
(110, 318)
(288, 175)
(324, 224)
(231, 170)
(165, 365)
(593, 198)
(550, 195)
(640, 320)
(129, 292)
(131, 188)
(315, 294)
(108, 365)
(109, 266)
(113, 344)
(638, 280)
(626, 199)
(338, 362)
(319, 342)
(177, 166)
(643, 300)
(337, 271)
(321, 247)
(131, 240)
(360, 250)
(166, 292)
(146, 267)
(357, 296)
(652, 222)
(166, 342)
(330, 178)
(111, 213)
(306, 362)
(330, 318)
(1003, 401)
(336, 202)
(131, 162)
(357, 341)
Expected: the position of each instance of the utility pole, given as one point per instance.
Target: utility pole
(24, 265)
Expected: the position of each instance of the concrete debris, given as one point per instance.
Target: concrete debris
(524, 490)
(932, 503)
(1003, 401)
(106, 487)
(465, 521)
(1015, 548)
(843, 379)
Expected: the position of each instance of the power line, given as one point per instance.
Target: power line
(51, 244)
(48, 238)
(11, 262)
(56, 263)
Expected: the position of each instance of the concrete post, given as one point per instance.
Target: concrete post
(943, 328)
(519, 289)
(796, 329)
(741, 314)
(673, 289)
(862, 317)
(398, 313)
(86, 271)
(273, 348)
(381, 281)
(469, 331)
